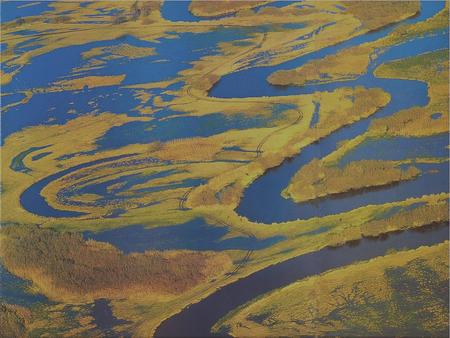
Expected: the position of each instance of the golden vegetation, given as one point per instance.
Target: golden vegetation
(376, 14)
(401, 294)
(355, 104)
(315, 180)
(409, 218)
(13, 320)
(432, 68)
(225, 181)
(352, 62)
(89, 82)
(416, 121)
(344, 65)
(218, 8)
(64, 266)
(98, 56)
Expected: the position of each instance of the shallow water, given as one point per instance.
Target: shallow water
(235, 84)
(11, 10)
(179, 128)
(179, 11)
(172, 55)
(275, 208)
(104, 318)
(398, 148)
(15, 290)
(193, 235)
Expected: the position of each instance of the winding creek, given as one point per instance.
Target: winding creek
(262, 201)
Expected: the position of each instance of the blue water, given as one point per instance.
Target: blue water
(17, 162)
(105, 320)
(316, 116)
(21, 48)
(396, 209)
(14, 290)
(25, 32)
(32, 200)
(196, 320)
(274, 208)
(172, 55)
(179, 11)
(110, 190)
(436, 116)
(11, 98)
(176, 10)
(11, 10)
(41, 155)
(398, 148)
(193, 235)
(236, 84)
(276, 4)
(179, 128)
(60, 107)
(262, 201)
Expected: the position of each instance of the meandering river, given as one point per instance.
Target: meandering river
(262, 201)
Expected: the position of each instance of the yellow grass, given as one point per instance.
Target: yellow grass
(432, 68)
(352, 62)
(217, 8)
(316, 180)
(90, 82)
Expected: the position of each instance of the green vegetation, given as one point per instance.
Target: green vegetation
(400, 294)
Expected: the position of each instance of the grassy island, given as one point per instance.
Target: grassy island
(316, 180)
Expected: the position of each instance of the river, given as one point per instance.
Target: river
(262, 201)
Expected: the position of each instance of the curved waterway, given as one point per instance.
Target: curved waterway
(33, 201)
(197, 319)
(262, 200)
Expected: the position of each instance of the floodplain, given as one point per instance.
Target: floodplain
(177, 168)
